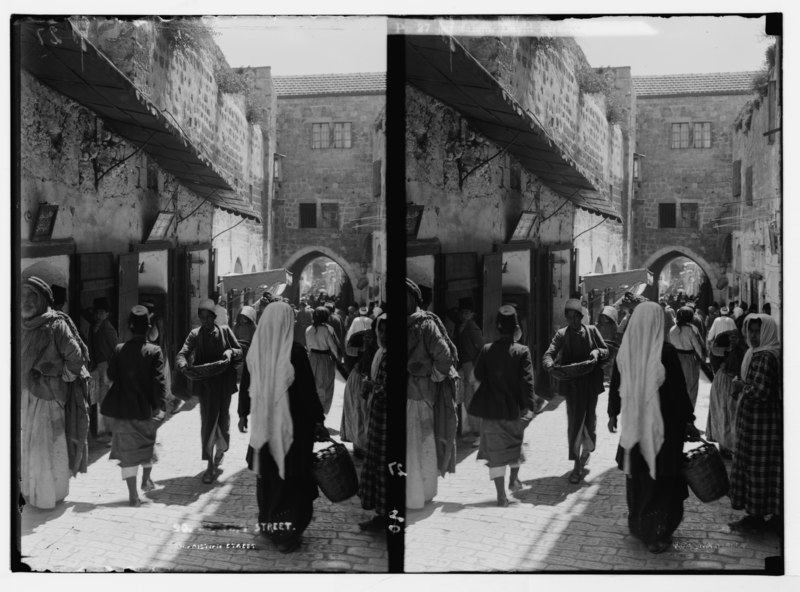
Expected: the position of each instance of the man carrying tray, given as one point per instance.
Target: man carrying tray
(578, 348)
(205, 358)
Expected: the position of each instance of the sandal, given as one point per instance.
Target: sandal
(515, 486)
(575, 477)
(208, 477)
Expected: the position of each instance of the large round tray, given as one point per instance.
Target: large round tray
(209, 370)
(571, 371)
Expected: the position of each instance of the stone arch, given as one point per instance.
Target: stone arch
(302, 257)
(656, 262)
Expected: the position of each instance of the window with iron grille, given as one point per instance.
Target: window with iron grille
(329, 217)
(748, 186)
(341, 135)
(737, 178)
(702, 135)
(690, 215)
(666, 215)
(320, 136)
(680, 135)
(308, 215)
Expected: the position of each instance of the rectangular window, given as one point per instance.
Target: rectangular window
(330, 215)
(341, 135)
(680, 135)
(702, 135)
(376, 178)
(320, 136)
(689, 215)
(666, 215)
(637, 169)
(737, 178)
(748, 186)
(308, 215)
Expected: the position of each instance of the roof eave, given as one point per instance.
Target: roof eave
(442, 68)
(66, 61)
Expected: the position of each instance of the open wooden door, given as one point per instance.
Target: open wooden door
(492, 293)
(542, 304)
(127, 291)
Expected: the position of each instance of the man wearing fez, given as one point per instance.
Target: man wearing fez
(505, 402)
(572, 344)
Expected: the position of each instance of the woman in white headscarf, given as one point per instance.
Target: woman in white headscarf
(279, 395)
(649, 390)
(756, 475)
(718, 339)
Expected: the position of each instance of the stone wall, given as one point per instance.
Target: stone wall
(699, 176)
(542, 75)
(757, 258)
(65, 150)
(485, 207)
(341, 176)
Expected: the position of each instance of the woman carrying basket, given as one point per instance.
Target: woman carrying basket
(648, 387)
(280, 396)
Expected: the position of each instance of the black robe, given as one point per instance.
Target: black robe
(655, 508)
(285, 506)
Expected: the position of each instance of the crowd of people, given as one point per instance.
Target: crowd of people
(650, 357)
(284, 384)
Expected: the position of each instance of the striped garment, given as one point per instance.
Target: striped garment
(756, 475)
(374, 473)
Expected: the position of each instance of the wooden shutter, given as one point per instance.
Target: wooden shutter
(127, 291)
(492, 293)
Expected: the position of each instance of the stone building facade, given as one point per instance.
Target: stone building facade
(121, 143)
(509, 167)
(329, 188)
(756, 230)
(682, 194)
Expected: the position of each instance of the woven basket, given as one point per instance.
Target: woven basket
(335, 473)
(206, 370)
(705, 472)
(575, 370)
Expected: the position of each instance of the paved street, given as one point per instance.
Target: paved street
(558, 526)
(187, 525)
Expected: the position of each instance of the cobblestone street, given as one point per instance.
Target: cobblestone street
(185, 525)
(557, 526)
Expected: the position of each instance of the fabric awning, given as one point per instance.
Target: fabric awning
(269, 278)
(442, 68)
(602, 281)
(61, 57)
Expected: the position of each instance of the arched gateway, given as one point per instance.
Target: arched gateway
(298, 261)
(658, 260)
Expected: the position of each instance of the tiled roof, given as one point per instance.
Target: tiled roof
(330, 84)
(720, 83)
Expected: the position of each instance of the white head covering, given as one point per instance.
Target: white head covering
(611, 313)
(271, 373)
(769, 341)
(641, 375)
(721, 325)
(737, 312)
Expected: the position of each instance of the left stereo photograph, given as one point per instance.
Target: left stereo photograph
(199, 238)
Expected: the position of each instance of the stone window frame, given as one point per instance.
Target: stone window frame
(685, 209)
(664, 215)
(702, 139)
(691, 134)
(342, 135)
(321, 135)
(325, 219)
(737, 178)
(307, 215)
(748, 186)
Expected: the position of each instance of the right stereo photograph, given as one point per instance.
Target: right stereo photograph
(594, 218)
